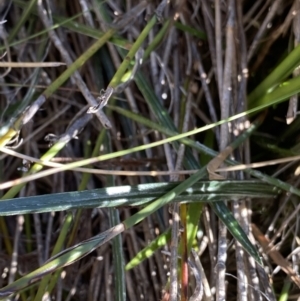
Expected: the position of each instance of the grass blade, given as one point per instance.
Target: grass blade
(140, 195)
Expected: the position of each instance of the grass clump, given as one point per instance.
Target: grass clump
(141, 124)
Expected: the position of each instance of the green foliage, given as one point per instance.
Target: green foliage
(151, 130)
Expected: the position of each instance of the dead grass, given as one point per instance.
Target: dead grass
(197, 81)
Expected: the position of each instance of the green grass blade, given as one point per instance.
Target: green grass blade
(140, 195)
(206, 150)
(192, 228)
(279, 94)
(61, 260)
(135, 47)
(57, 248)
(162, 116)
(28, 9)
(191, 30)
(47, 93)
(151, 248)
(279, 74)
(90, 32)
(235, 229)
(118, 258)
(117, 243)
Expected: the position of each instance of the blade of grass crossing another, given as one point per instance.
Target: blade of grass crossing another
(117, 248)
(134, 196)
(148, 251)
(191, 163)
(235, 229)
(57, 248)
(61, 260)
